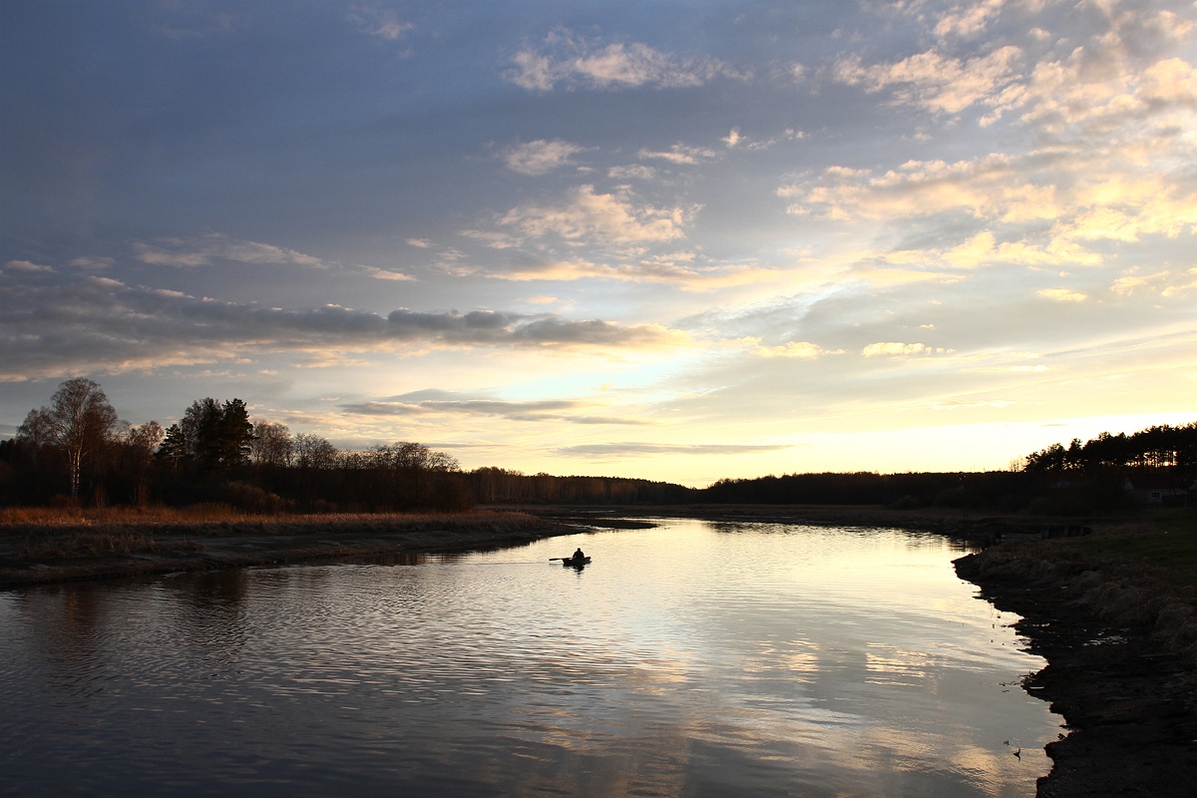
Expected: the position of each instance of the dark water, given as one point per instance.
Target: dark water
(697, 659)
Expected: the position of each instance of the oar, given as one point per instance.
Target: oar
(551, 559)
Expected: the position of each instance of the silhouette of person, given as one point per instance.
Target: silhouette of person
(578, 555)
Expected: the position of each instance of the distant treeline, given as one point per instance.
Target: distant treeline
(1085, 477)
(75, 450)
(1161, 447)
(998, 489)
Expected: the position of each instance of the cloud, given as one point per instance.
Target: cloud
(989, 187)
(969, 19)
(575, 61)
(102, 325)
(940, 83)
(676, 269)
(632, 172)
(93, 262)
(797, 350)
(899, 349)
(28, 267)
(385, 274)
(1088, 194)
(380, 22)
(641, 449)
(983, 249)
(205, 250)
(1062, 295)
(587, 217)
(421, 243)
(1166, 283)
(539, 157)
(446, 403)
(680, 154)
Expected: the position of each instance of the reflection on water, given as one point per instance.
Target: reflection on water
(695, 659)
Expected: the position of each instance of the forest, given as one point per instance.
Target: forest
(75, 450)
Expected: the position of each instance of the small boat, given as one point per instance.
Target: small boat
(571, 562)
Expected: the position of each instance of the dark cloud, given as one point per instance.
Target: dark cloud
(435, 402)
(101, 325)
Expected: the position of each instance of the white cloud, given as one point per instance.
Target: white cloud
(574, 60)
(675, 269)
(385, 274)
(680, 154)
(380, 22)
(899, 349)
(587, 216)
(27, 266)
(795, 350)
(969, 19)
(1062, 295)
(539, 157)
(941, 83)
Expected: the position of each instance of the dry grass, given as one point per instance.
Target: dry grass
(50, 517)
(75, 516)
(67, 538)
(1135, 571)
(100, 544)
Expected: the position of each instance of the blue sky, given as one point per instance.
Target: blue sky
(680, 241)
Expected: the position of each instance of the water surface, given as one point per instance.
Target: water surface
(695, 659)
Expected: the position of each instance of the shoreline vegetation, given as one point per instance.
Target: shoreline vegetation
(1114, 612)
(1115, 616)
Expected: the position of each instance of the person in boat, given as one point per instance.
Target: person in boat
(578, 555)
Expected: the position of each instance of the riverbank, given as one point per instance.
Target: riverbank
(43, 546)
(1115, 615)
(1113, 612)
(43, 551)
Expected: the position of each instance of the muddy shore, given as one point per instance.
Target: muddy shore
(1121, 646)
(1120, 636)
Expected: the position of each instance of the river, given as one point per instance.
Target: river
(698, 658)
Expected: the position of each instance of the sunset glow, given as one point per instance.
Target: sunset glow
(678, 241)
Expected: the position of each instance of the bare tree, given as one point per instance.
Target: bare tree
(272, 444)
(79, 420)
(313, 451)
(140, 443)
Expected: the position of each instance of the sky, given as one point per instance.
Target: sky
(680, 241)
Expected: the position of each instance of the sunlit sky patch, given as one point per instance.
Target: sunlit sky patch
(680, 241)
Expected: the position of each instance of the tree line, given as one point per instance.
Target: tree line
(1075, 480)
(76, 450)
(1156, 448)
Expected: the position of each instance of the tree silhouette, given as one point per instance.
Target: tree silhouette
(79, 421)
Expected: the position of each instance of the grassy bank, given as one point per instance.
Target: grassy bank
(45, 546)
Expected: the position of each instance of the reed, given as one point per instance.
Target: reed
(51, 517)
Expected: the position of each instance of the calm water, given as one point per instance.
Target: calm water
(695, 659)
